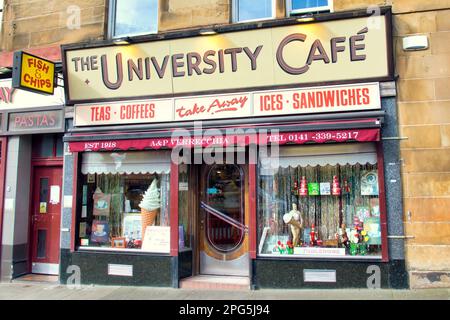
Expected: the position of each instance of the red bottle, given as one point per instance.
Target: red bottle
(335, 188)
(303, 191)
(312, 235)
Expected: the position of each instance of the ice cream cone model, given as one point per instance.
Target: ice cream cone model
(150, 206)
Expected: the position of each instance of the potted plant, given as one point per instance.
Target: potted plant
(289, 247)
(354, 240)
(363, 243)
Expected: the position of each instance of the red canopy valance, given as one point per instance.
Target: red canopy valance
(322, 136)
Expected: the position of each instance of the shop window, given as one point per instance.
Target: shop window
(294, 7)
(320, 201)
(125, 201)
(133, 17)
(248, 10)
(48, 146)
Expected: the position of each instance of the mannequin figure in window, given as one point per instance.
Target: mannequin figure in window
(294, 219)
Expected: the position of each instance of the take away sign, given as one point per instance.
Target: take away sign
(33, 73)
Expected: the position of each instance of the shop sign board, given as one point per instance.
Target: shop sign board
(156, 239)
(36, 121)
(301, 137)
(33, 73)
(343, 50)
(12, 99)
(357, 97)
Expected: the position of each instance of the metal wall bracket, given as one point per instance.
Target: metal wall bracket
(401, 237)
(394, 138)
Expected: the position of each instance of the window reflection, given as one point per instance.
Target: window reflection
(135, 17)
(249, 10)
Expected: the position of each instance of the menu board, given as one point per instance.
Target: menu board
(157, 239)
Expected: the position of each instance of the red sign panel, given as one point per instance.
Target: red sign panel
(360, 135)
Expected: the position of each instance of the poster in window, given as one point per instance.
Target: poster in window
(100, 232)
(362, 213)
(156, 239)
(369, 183)
(313, 189)
(132, 226)
(102, 203)
(325, 188)
(372, 226)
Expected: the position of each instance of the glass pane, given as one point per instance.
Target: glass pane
(304, 4)
(59, 146)
(250, 9)
(320, 210)
(136, 16)
(185, 214)
(45, 144)
(42, 244)
(225, 195)
(43, 190)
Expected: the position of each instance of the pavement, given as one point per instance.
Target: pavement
(55, 291)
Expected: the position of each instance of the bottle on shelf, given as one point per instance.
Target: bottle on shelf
(335, 188)
(303, 190)
(295, 188)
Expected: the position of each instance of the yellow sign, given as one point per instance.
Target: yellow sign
(43, 207)
(33, 73)
(314, 53)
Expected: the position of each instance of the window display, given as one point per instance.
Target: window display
(320, 201)
(123, 197)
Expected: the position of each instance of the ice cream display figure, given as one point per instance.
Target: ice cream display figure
(150, 205)
(294, 219)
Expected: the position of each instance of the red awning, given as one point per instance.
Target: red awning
(301, 137)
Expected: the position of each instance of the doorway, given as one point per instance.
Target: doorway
(46, 219)
(223, 220)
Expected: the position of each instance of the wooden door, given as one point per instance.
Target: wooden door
(46, 219)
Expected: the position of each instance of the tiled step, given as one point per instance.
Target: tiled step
(215, 283)
(39, 278)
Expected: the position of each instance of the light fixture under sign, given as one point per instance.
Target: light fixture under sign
(122, 41)
(207, 32)
(306, 18)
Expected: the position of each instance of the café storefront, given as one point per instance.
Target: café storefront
(258, 152)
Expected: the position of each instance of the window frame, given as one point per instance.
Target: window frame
(77, 211)
(291, 12)
(112, 22)
(383, 256)
(235, 13)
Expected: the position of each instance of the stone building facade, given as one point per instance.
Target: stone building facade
(423, 96)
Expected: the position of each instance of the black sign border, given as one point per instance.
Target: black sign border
(17, 73)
